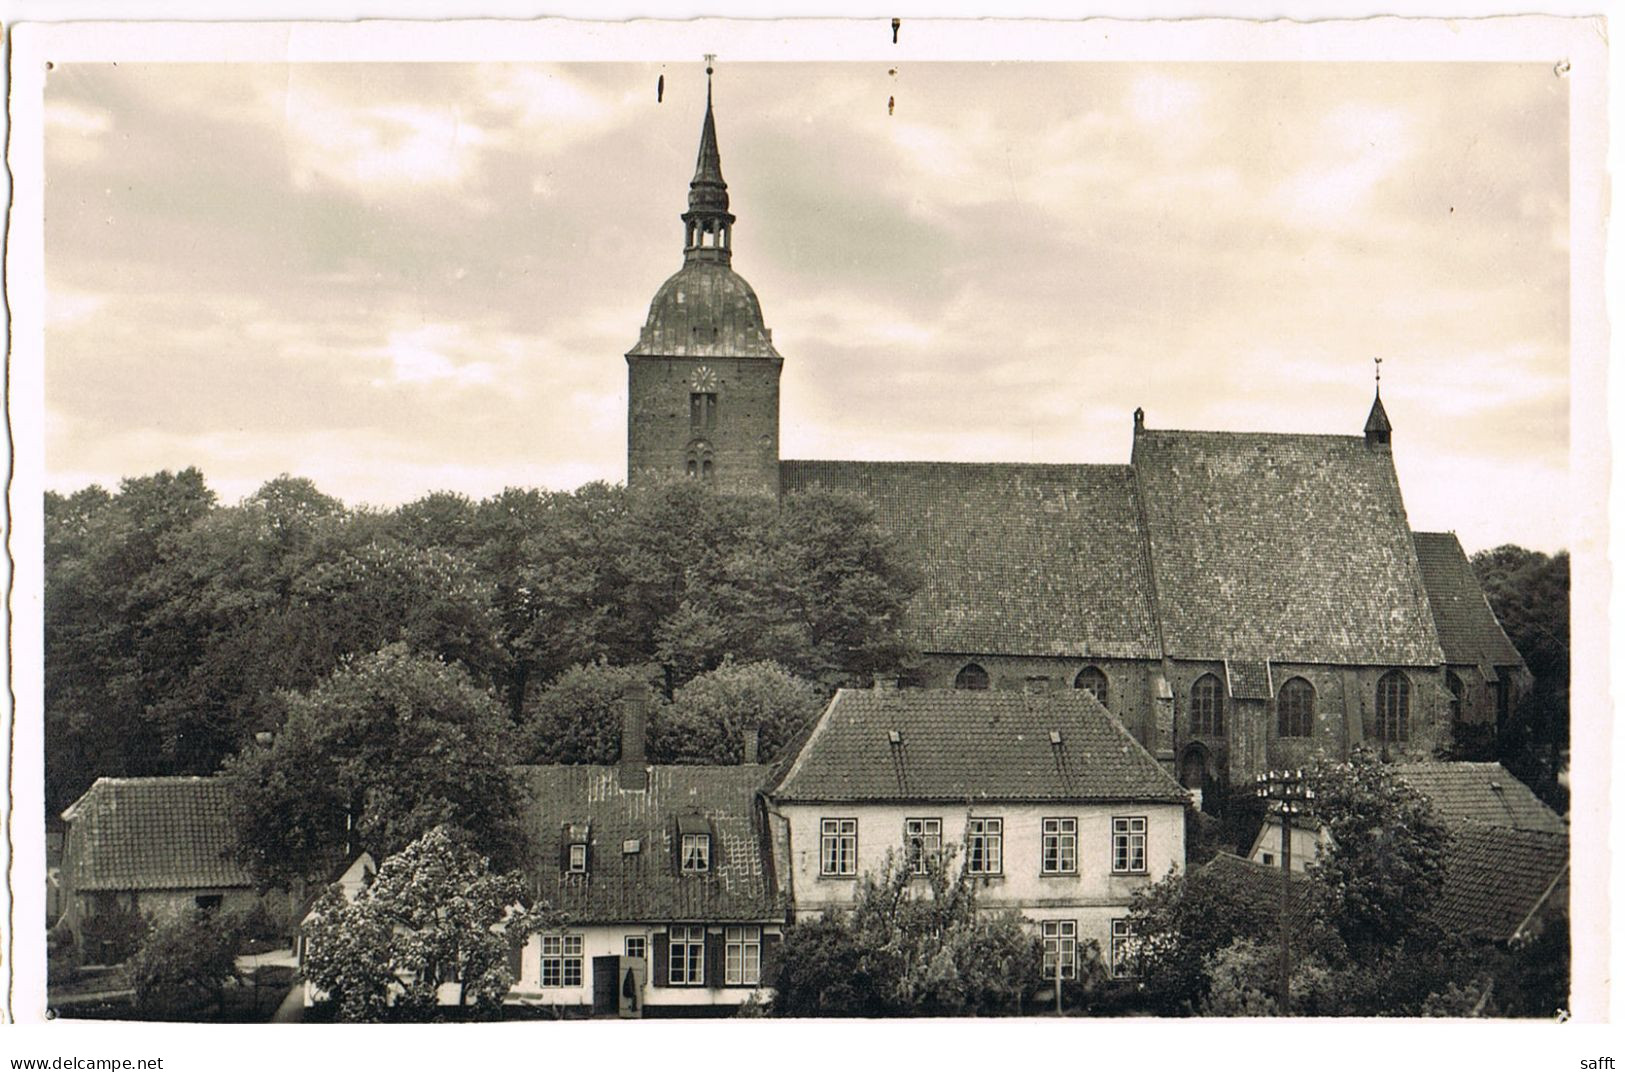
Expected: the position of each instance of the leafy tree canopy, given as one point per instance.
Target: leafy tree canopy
(707, 719)
(185, 964)
(394, 744)
(435, 913)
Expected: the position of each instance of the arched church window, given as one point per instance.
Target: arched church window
(1207, 707)
(1295, 709)
(971, 677)
(693, 467)
(1458, 693)
(1093, 681)
(1394, 707)
(706, 470)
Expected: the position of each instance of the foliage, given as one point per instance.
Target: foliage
(1386, 865)
(707, 718)
(112, 937)
(577, 718)
(394, 744)
(185, 965)
(1529, 592)
(910, 945)
(434, 913)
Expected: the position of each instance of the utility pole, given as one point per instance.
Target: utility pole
(1286, 794)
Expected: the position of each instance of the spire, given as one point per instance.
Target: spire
(708, 226)
(1377, 428)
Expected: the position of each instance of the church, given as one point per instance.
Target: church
(1239, 601)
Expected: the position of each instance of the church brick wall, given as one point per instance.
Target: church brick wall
(744, 440)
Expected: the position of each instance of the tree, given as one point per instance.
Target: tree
(908, 948)
(184, 966)
(1529, 592)
(577, 718)
(435, 913)
(707, 718)
(1386, 864)
(392, 745)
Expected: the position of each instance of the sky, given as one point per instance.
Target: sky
(400, 278)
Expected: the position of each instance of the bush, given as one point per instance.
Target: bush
(113, 937)
(183, 968)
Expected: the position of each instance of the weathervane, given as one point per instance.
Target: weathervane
(710, 58)
(1378, 362)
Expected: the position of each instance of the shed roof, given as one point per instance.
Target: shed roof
(967, 745)
(645, 885)
(1468, 630)
(1496, 877)
(153, 834)
(1480, 792)
(1286, 547)
(1015, 559)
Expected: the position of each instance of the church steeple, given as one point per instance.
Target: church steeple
(1377, 428)
(708, 225)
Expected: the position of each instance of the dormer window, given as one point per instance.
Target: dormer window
(573, 852)
(696, 853)
(578, 859)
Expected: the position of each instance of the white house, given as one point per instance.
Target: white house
(1058, 812)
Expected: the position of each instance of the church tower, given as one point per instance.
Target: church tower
(703, 379)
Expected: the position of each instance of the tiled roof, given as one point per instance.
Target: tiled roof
(1016, 559)
(1480, 792)
(1496, 876)
(152, 834)
(1259, 884)
(645, 885)
(962, 745)
(1249, 678)
(1293, 548)
(1468, 630)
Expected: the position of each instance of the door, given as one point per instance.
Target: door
(606, 980)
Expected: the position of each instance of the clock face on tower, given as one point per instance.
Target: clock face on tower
(704, 379)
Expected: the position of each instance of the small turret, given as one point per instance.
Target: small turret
(1377, 428)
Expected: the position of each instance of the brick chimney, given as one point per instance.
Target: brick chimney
(753, 744)
(634, 773)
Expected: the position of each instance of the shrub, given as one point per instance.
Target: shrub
(184, 966)
(113, 937)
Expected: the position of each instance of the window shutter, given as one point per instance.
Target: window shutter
(716, 847)
(516, 959)
(660, 975)
(714, 950)
(770, 956)
(564, 848)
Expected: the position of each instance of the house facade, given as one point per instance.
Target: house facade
(156, 846)
(665, 877)
(1240, 601)
(1047, 803)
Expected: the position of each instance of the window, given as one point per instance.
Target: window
(1394, 707)
(687, 956)
(1060, 846)
(702, 411)
(1128, 846)
(1457, 692)
(578, 859)
(1060, 946)
(1295, 709)
(696, 853)
(984, 846)
(1091, 680)
(742, 960)
(840, 837)
(637, 946)
(1124, 954)
(561, 960)
(923, 840)
(1207, 707)
(1268, 858)
(971, 677)
(209, 902)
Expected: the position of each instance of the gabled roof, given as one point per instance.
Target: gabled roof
(968, 745)
(1016, 559)
(1480, 792)
(1293, 548)
(152, 834)
(1468, 630)
(645, 886)
(1496, 878)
